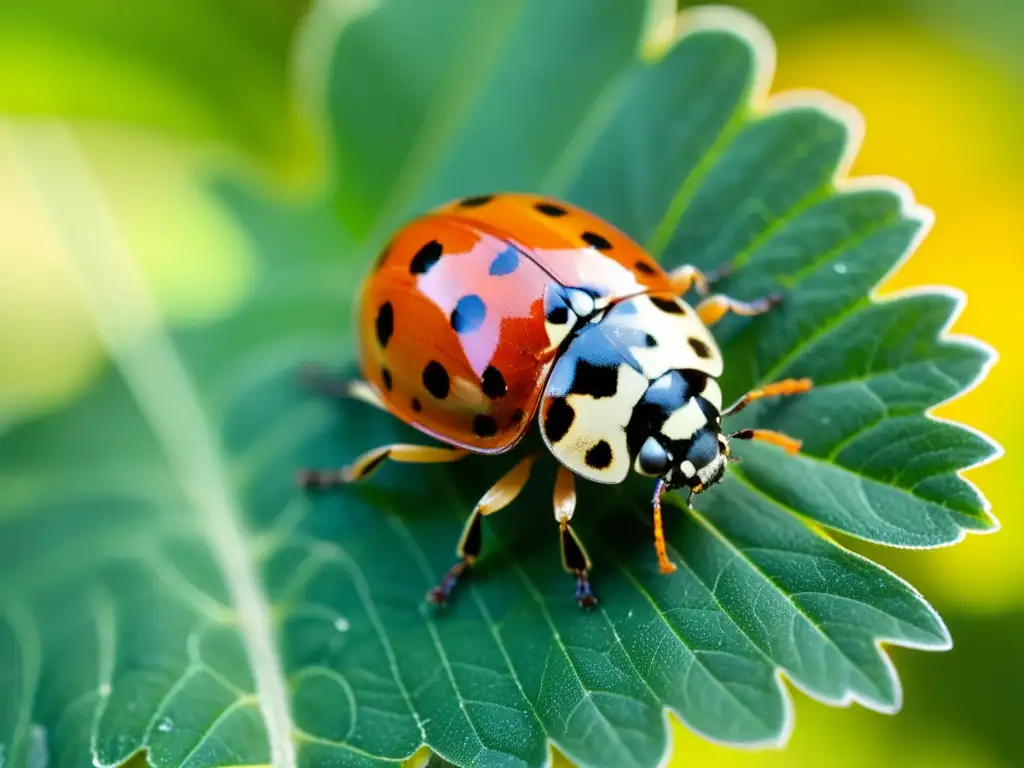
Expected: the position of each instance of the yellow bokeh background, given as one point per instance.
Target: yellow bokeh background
(951, 128)
(944, 113)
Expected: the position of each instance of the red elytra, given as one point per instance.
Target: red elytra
(453, 336)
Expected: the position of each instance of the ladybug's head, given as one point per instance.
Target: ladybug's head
(697, 462)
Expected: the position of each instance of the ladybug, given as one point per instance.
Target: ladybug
(493, 311)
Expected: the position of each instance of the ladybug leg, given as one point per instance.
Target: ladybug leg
(714, 308)
(498, 496)
(574, 556)
(785, 387)
(687, 276)
(364, 465)
(789, 444)
(468, 550)
(315, 379)
(665, 565)
(577, 562)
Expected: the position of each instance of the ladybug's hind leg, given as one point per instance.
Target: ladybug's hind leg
(498, 496)
(364, 465)
(574, 556)
(318, 381)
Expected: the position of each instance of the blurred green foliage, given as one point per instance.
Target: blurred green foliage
(206, 70)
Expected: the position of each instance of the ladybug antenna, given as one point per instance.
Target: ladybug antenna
(787, 443)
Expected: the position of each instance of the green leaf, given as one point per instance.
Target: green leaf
(164, 587)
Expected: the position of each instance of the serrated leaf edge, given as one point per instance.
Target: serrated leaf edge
(761, 103)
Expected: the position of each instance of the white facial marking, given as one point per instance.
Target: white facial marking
(684, 422)
(688, 469)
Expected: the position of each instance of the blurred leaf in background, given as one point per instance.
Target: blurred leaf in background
(200, 69)
(152, 90)
(193, 253)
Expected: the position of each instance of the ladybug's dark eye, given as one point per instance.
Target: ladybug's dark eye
(653, 459)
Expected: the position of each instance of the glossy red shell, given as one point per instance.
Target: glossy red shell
(453, 336)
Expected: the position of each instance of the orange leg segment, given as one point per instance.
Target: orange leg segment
(787, 443)
(779, 388)
(686, 276)
(714, 308)
(664, 564)
(565, 495)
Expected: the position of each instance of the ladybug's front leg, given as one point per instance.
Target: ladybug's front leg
(574, 556)
(499, 496)
(687, 276)
(714, 308)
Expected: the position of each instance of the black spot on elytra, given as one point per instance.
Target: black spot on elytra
(671, 306)
(699, 347)
(468, 314)
(558, 419)
(385, 376)
(595, 380)
(425, 258)
(385, 323)
(416, 404)
(493, 383)
(650, 341)
(435, 379)
(599, 455)
(643, 266)
(517, 416)
(596, 241)
(505, 263)
(551, 209)
(476, 202)
(484, 425)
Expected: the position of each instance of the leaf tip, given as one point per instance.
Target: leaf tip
(741, 25)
